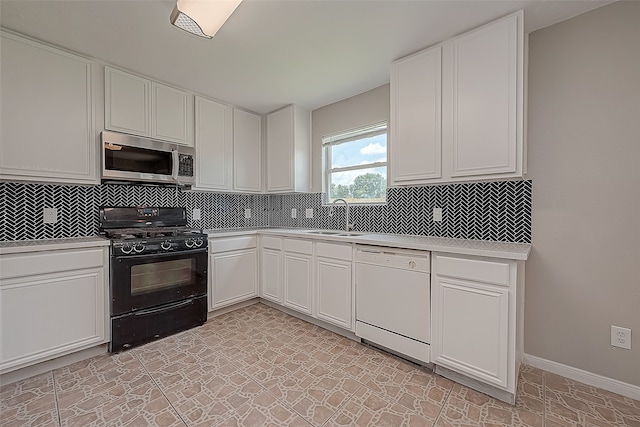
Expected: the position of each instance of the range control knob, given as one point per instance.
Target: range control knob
(189, 243)
(126, 249)
(138, 247)
(198, 242)
(166, 245)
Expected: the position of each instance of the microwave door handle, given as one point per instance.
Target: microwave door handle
(176, 164)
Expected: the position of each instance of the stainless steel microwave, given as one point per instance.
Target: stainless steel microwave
(127, 158)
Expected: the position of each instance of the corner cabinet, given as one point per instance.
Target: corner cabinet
(52, 303)
(477, 319)
(139, 106)
(233, 270)
(289, 150)
(271, 262)
(478, 99)
(47, 131)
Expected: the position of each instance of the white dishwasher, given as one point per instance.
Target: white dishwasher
(393, 302)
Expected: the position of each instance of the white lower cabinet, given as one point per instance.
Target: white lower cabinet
(271, 269)
(476, 319)
(298, 274)
(52, 303)
(333, 266)
(233, 270)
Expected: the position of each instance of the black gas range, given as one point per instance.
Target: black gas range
(158, 271)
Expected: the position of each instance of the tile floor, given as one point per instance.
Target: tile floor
(260, 367)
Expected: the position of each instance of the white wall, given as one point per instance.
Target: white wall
(367, 108)
(584, 160)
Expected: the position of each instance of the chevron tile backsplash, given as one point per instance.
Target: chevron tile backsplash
(498, 211)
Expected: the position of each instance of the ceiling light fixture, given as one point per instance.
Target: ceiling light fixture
(202, 17)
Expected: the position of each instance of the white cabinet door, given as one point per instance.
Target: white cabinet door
(298, 280)
(482, 101)
(288, 150)
(234, 277)
(52, 303)
(127, 102)
(139, 106)
(474, 313)
(416, 133)
(247, 152)
(47, 132)
(471, 329)
(271, 283)
(334, 290)
(214, 144)
(170, 110)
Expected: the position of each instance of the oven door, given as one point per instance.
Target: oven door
(143, 281)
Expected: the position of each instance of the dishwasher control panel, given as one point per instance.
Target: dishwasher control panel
(394, 258)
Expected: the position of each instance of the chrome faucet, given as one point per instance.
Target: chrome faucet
(347, 226)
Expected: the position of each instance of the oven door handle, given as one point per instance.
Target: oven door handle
(162, 255)
(163, 308)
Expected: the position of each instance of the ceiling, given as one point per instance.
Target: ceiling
(269, 53)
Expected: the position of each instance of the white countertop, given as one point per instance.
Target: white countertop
(505, 250)
(21, 246)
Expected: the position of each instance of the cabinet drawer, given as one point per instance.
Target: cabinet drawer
(49, 262)
(300, 246)
(272, 242)
(233, 244)
(330, 250)
(493, 272)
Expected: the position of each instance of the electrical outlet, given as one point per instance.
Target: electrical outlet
(50, 215)
(309, 213)
(247, 213)
(294, 213)
(195, 214)
(621, 337)
(437, 214)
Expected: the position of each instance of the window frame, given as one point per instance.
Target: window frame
(356, 134)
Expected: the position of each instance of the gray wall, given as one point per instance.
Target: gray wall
(364, 109)
(584, 160)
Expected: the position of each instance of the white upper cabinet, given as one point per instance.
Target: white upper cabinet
(170, 119)
(127, 103)
(416, 133)
(142, 107)
(214, 145)
(247, 151)
(47, 131)
(478, 99)
(289, 150)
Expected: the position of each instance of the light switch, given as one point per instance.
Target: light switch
(195, 214)
(247, 213)
(309, 213)
(294, 213)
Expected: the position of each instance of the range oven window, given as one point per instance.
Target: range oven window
(160, 275)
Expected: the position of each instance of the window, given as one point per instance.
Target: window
(355, 165)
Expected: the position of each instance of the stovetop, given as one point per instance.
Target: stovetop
(149, 230)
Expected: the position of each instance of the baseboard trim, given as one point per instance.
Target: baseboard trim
(585, 377)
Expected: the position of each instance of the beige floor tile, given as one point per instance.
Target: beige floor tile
(466, 407)
(413, 387)
(31, 402)
(570, 403)
(315, 398)
(530, 394)
(111, 390)
(367, 408)
(264, 410)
